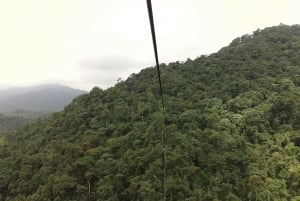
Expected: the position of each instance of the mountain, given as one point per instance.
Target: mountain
(45, 98)
(231, 127)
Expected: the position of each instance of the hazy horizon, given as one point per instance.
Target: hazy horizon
(82, 44)
(8, 87)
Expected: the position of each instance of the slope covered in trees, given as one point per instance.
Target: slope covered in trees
(232, 123)
(12, 121)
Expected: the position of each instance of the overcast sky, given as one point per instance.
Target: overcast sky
(86, 43)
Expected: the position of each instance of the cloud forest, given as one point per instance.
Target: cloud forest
(231, 121)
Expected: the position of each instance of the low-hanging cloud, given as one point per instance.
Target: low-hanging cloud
(105, 71)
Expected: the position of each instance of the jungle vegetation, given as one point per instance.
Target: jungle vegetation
(14, 120)
(232, 122)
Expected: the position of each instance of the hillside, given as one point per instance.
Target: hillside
(12, 121)
(232, 123)
(41, 98)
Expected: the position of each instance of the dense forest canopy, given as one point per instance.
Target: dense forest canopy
(232, 122)
(12, 121)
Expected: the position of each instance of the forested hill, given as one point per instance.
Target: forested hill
(232, 123)
(39, 98)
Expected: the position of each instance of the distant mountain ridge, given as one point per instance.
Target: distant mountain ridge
(46, 98)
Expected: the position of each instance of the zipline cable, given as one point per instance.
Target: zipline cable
(149, 5)
(155, 50)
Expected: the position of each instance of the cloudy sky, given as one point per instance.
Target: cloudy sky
(86, 43)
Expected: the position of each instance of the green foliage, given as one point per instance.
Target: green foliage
(1, 140)
(12, 121)
(232, 122)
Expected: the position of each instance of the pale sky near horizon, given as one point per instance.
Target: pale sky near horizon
(87, 43)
